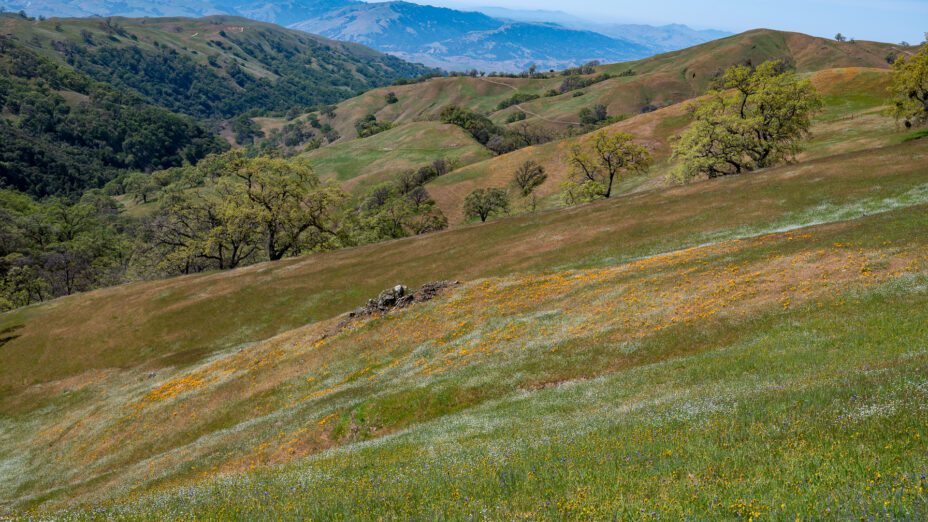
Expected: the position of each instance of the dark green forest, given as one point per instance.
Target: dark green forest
(97, 114)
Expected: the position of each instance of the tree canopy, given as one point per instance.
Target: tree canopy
(529, 176)
(485, 202)
(756, 118)
(910, 88)
(596, 165)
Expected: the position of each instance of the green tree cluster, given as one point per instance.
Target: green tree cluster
(595, 166)
(485, 202)
(54, 248)
(369, 126)
(498, 139)
(910, 88)
(398, 209)
(51, 146)
(755, 119)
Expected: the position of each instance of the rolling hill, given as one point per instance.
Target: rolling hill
(656, 82)
(745, 347)
(211, 67)
(216, 375)
(358, 164)
(439, 37)
(147, 94)
(853, 76)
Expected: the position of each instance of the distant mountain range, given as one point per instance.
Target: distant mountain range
(493, 40)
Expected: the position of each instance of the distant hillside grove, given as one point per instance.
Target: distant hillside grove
(86, 99)
(69, 168)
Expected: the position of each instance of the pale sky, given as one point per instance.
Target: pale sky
(882, 20)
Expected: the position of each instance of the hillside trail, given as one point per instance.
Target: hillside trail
(526, 111)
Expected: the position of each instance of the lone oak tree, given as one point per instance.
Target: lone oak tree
(755, 119)
(483, 202)
(910, 89)
(528, 177)
(291, 207)
(610, 155)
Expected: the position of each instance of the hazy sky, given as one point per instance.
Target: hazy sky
(884, 20)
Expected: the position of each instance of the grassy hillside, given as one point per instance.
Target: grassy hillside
(363, 162)
(746, 347)
(853, 119)
(852, 76)
(179, 380)
(658, 81)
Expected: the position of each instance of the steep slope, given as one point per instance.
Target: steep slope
(82, 100)
(180, 380)
(79, 133)
(211, 67)
(164, 323)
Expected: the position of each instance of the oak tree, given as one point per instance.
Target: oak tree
(755, 119)
(609, 156)
(910, 89)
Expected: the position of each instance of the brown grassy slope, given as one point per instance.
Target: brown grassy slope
(297, 395)
(851, 121)
(671, 78)
(424, 101)
(660, 80)
(182, 320)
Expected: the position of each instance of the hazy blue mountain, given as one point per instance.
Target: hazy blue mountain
(659, 38)
(462, 40)
(494, 40)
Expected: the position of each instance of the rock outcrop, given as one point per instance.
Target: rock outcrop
(400, 297)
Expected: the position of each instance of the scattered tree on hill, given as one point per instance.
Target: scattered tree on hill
(292, 209)
(840, 38)
(391, 98)
(246, 206)
(485, 202)
(399, 209)
(910, 89)
(592, 116)
(756, 119)
(609, 156)
(140, 186)
(369, 126)
(527, 178)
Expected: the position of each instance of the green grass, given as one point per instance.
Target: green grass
(917, 135)
(384, 156)
(750, 347)
(816, 411)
